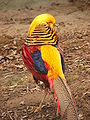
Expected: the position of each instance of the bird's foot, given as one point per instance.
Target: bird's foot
(41, 103)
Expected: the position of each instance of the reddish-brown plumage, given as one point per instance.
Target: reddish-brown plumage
(29, 63)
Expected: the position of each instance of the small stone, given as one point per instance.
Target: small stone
(14, 42)
(1, 57)
(80, 117)
(22, 103)
(79, 36)
(19, 66)
(10, 57)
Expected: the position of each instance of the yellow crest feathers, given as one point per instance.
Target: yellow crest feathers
(43, 18)
(41, 31)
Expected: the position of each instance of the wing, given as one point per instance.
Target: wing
(33, 60)
(38, 62)
(28, 61)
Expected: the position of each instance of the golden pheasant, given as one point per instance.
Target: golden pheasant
(44, 59)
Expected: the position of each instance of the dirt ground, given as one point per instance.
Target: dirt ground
(19, 95)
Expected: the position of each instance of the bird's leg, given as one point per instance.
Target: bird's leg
(41, 103)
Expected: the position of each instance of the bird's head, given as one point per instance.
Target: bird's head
(41, 31)
(41, 19)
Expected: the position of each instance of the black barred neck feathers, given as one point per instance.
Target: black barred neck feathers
(41, 31)
(43, 34)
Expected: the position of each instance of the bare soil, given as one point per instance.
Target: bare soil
(19, 94)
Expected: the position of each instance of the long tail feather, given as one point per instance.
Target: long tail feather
(67, 106)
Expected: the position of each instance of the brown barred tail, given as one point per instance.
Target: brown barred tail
(67, 107)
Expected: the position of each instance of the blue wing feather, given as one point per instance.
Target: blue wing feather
(38, 62)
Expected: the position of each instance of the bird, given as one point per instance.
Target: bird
(44, 59)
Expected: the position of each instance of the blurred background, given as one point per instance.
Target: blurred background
(19, 95)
